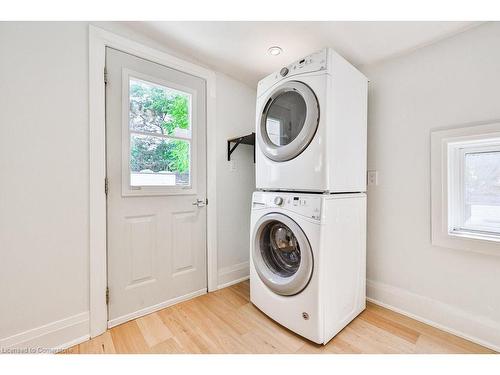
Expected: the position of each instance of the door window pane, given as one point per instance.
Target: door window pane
(285, 118)
(159, 109)
(160, 135)
(157, 161)
(482, 191)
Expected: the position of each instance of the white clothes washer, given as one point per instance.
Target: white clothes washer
(308, 260)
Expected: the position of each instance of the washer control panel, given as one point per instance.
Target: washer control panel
(311, 63)
(306, 205)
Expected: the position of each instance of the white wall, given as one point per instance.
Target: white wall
(44, 212)
(44, 231)
(453, 82)
(235, 117)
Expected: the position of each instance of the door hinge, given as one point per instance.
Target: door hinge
(107, 295)
(105, 75)
(106, 186)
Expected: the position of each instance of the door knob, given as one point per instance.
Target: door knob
(200, 203)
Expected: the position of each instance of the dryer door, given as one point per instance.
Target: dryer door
(281, 254)
(288, 121)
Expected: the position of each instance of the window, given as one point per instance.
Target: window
(273, 127)
(159, 135)
(465, 188)
(474, 187)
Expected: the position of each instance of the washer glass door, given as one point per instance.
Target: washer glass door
(282, 254)
(289, 121)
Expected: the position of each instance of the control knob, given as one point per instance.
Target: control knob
(284, 71)
(278, 201)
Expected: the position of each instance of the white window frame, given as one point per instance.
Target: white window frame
(127, 189)
(456, 168)
(448, 148)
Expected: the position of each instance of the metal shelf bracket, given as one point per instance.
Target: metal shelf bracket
(233, 143)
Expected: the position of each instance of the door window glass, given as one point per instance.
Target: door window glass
(160, 135)
(285, 118)
(280, 249)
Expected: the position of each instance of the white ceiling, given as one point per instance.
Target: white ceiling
(239, 49)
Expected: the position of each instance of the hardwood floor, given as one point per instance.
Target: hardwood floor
(226, 322)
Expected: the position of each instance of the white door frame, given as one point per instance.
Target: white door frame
(99, 39)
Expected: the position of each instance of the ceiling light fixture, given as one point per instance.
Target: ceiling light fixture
(274, 50)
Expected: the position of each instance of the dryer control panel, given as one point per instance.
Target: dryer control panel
(311, 63)
(305, 205)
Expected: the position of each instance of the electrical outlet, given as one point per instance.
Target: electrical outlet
(372, 178)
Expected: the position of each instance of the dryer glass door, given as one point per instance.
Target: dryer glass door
(285, 118)
(282, 254)
(289, 121)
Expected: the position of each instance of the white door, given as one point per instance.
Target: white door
(156, 171)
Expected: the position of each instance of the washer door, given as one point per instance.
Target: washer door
(281, 254)
(289, 121)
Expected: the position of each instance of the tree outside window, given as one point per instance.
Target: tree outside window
(159, 121)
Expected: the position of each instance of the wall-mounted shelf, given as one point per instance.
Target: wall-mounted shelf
(246, 140)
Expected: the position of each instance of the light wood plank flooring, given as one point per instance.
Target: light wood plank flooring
(226, 322)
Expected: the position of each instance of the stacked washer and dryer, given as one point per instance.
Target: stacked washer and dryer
(308, 221)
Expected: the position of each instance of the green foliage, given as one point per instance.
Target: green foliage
(179, 155)
(157, 110)
(159, 155)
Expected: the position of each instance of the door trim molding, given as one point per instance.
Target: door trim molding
(99, 39)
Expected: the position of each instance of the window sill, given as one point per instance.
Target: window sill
(475, 235)
(467, 241)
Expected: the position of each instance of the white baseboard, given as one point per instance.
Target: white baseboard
(151, 309)
(478, 329)
(232, 282)
(233, 274)
(49, 338)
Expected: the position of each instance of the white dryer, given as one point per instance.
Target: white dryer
(307, 261)
(311, 126)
